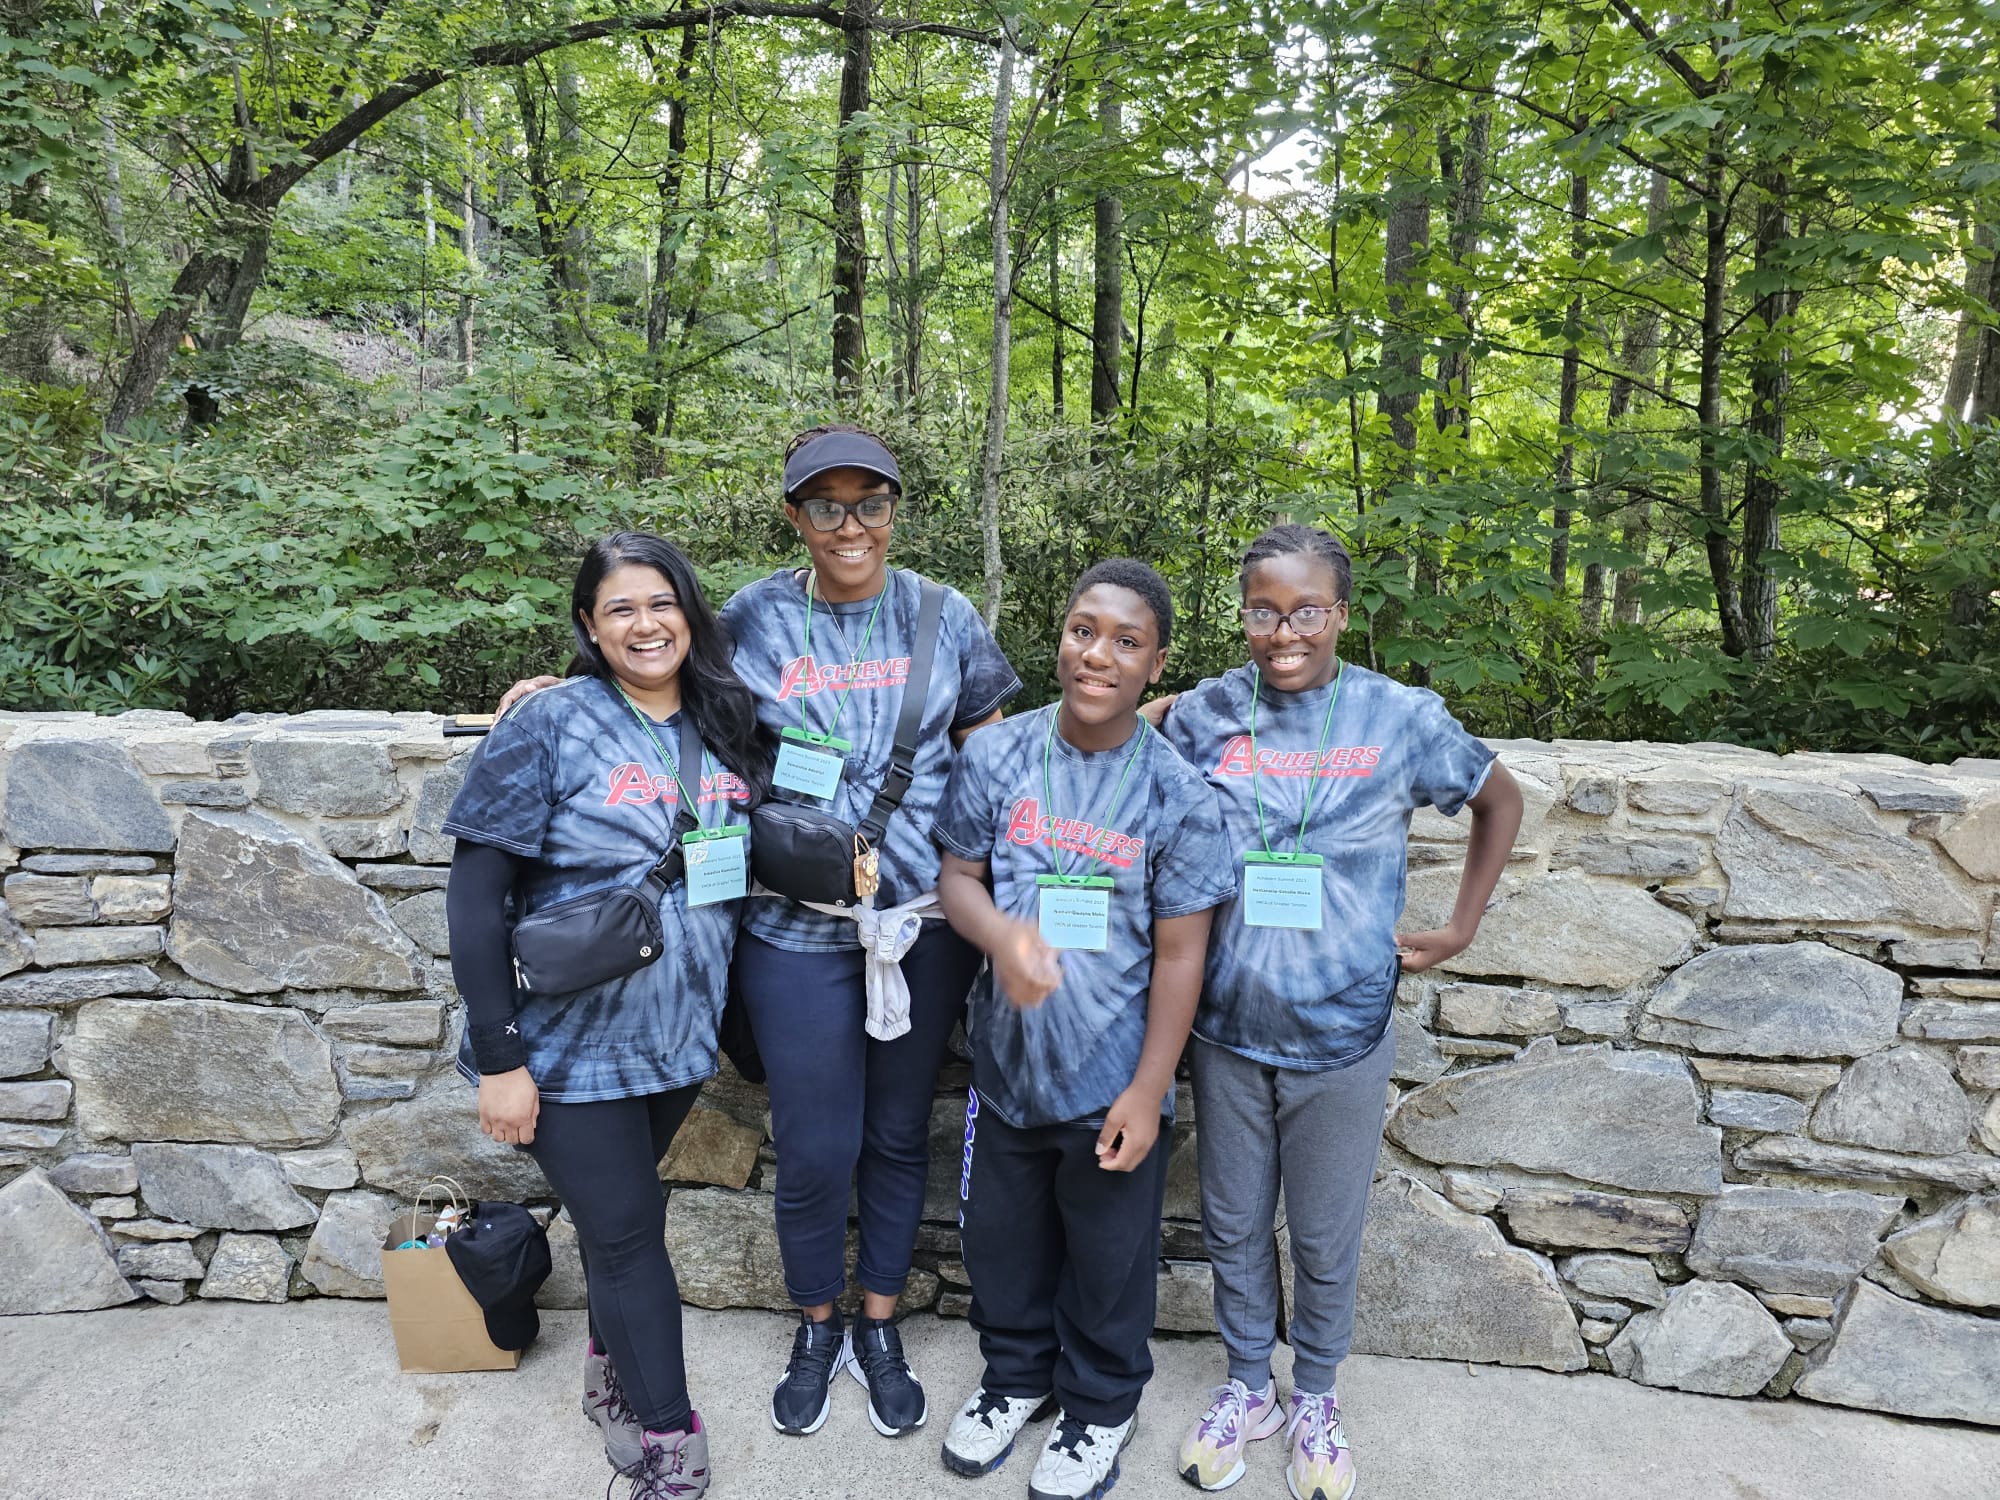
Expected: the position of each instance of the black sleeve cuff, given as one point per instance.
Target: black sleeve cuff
(498, 1047)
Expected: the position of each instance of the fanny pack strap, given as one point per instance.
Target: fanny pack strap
(687, 818)
(903, 757)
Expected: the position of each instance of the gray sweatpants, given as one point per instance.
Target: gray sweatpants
(1319, 1135)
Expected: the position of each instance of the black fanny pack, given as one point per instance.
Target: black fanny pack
(810, 855)
(605, 935)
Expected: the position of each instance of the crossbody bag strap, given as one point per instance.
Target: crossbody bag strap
(687, 818)
(903, 758)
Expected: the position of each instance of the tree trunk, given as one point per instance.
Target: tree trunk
(1107, 314)
(913, 291)
(1468, 207)
(155, 347)
(1770, 384)
(1638, 359)
(994, 447)
(468, 235)
(1965, 352)
(669, 234)
(899, 391)
(850, 232)
(1055, 321)
(1579, 208)
(551, 234)
(1714, 287)
(1407, 239)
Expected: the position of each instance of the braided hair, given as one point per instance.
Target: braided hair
(1130, 573)
(1291, 538)
(824, 428)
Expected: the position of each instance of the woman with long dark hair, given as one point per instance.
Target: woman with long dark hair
(582, 793)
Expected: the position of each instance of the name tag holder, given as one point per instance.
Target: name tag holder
(717, 866)
(1283, 890)
(810, 763)
(1075, 911)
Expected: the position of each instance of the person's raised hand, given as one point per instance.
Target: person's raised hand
(521, 690)
(1026, 967)
(1154, 710)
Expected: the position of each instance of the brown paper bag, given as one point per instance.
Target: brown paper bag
(439, 1328)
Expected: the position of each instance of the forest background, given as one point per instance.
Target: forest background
(1647, 355)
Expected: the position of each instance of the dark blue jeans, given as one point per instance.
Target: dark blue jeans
(847, 1110)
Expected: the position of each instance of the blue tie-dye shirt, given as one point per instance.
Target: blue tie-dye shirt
(970, 678)
(1067, 1059)
(1280, 995)
(571, 783)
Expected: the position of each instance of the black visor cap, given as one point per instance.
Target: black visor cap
(840, 450)
(502, 1256)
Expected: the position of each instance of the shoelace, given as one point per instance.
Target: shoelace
(987, 1406)
(881, 1353)
(813, 1357)
(612, 1400)
(660, 1478)
(1322, 1439)
(1071, 1436)
(1228, 1409)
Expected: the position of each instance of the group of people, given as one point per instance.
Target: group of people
(1086, 885)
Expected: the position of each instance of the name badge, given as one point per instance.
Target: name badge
(1283, 890)
(1076, 911)
(718, 868)
(810, 763)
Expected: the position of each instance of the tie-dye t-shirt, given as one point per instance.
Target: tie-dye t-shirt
(970, 678)
(1284, 996)
(571, 783)
(1067, 1059)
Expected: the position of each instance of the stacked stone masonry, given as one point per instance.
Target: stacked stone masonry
(1713, 1102)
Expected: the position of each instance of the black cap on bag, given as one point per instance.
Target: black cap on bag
(502, 1256)
(840, 450)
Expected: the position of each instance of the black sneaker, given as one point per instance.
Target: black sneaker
(896, 1403)
(800, 1403)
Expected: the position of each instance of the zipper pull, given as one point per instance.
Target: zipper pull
(520, 980)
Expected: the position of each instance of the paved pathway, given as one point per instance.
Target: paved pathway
(227, 1401)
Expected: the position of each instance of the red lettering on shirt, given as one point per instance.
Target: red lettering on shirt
(632, 784)
(802, 676)
(1345, 760)
(1026, 825)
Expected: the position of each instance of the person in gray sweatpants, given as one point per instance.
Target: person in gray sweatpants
(1317, 765)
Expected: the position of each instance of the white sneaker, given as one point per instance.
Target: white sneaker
(1080, 1460)
(982, 1433)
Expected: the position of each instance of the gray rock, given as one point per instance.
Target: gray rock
(1485, 1051)
(219, 1187)
(1418, 1059)
(17, 949)
(114, 1208)
(724, 1248)
(34, 1101)
(1909, 793)
(429, 844)
(222, 794)
(1968, 1171)
(344, 1256)
(1792, 1305)
(358, 838)
(1570, 929)
(1627, 1119)
(1789, 1239)
(1576, 1218)
(1978, 1067)
(1185, 1297)
(248, 1268)
(171, 757)
(395, 1023)
(1938, 953)
(1900, 1100)
(50, 900)
(1776, 1000)
(30, 1137)
(1988, 1129)
(565, 1286)
(1736, 1109)
(172, 1293)
(69, 986)
(384, 1062)
(1592, 795)
(1628, 1276)
(1469, 1193)
(152, 1230)
(1497, 1010)
(1809, 854)
(88, 864)
(131, 898)
(712, 1147)
(1596, 1331)
(56, 947)
(1676, 796)
(169, 1260)
(403, 877)
(405, 1146)
(26, 1037)
(257, 909)
(331, 1167)
(1974, 841)
(1597, 1018)
(53, 1255)
(95, 1172)
(1711, 1337)
(1637, 858)
(1934, 1020)
(1954, 1255)
(1438, 1283)
(1805, 1081)
(82, 794)
(1808, 1334)
(422, 917)
(1897, 1356)
(331, 779)
(1600, 1311)
(201, 1070)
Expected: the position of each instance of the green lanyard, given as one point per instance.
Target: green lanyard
(1256, 778)
(673, 770)
(1049, 801)
(853, 656)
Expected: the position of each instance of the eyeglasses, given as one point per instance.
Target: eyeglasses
(1306, 620)
(872, 511)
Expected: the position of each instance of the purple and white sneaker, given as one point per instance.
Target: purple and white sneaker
(1321, 1467)
(1211, 1456)
(604, 1404)
(672, 1466)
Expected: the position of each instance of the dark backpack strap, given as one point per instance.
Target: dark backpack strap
(903, 758)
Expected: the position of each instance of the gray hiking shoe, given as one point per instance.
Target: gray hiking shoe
(673, 1465)
(604, 1404)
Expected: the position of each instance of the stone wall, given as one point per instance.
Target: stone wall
(1713, 1102)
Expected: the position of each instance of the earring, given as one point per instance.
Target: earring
(593, 640)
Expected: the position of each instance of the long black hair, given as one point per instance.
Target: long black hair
(724, 711)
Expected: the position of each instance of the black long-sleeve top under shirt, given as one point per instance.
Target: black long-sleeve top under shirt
(475, 906)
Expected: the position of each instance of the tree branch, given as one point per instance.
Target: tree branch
(1699, 85)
